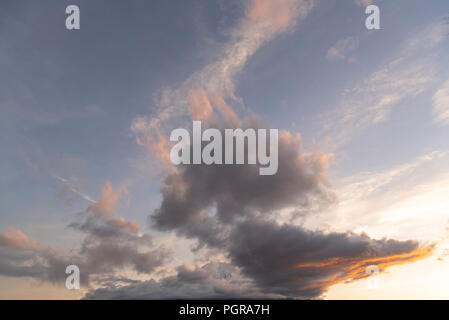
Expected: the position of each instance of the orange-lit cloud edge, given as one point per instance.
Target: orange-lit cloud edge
(356, 268)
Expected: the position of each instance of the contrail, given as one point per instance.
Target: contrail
(74, 189)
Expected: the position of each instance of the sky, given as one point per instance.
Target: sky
(363, 175)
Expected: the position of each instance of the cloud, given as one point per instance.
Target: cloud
(441, 104)
(279, 13)
(230, 118)
(235, 211)
(363, 3)
(200, 106)
(68, 186)
(111, 244)
(342, 48)
(263, 21)
(13, 237)
(269, 261)
(66, 169)
(230, 211)
(295, 262)
(154, 141)
(238, 191)
(391, 202)
(107, 202)
(214, 280)
(22, 257)
(208, 93)
(405, 76)
(361, 186)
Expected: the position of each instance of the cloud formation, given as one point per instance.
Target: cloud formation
(235, 211)
(111, 244)
(263, 21)
(407, 75)
(269, 260)
(441, 103)
(214, 280)
(342, 48)
(363, 3)
(238, 191)
(295, 262)
(232, 210)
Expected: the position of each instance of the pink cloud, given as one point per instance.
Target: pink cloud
(200, 106)
(14, 237)
(280, 13)
(363, 2)
(107, 202)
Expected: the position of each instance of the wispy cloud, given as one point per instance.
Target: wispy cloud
(235, 217)
(209, 94)
(363, 2)
(263, 21)
(342, 49)
(441, 104)
(232, 212)
(407, 198)
(407, 75)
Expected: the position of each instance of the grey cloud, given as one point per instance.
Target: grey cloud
(19, 264)
(269, 260)
(201, 201)
(233, 209)
(214, 280)
(106, 257)
(295, 262)
(111, 244)
(34, 261)
(109, 227)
